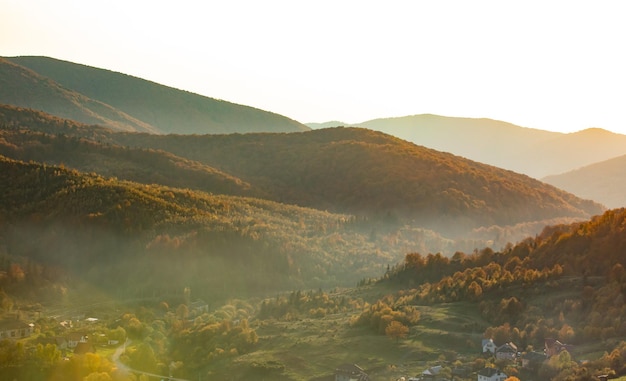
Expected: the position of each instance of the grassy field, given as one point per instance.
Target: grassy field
(311, 349)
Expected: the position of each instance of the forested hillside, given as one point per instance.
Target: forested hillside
(568, 284)
(130, 236)
(364, 172)
(169, 110)
(23, 87)
(146, 166)
(345, 170)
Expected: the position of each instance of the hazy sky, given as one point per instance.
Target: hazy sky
(554, 65)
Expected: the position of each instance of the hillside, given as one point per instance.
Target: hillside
(385, 180)
(169, 110)
(137, 235)
(363, 172)
(21, 138)
(536, 153)
(604, 182)
(23, 87)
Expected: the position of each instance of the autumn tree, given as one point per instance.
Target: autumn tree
(396, 330)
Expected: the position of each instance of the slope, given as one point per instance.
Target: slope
(364, 172)
(131, 238)
(604, 182)
(534, 152)
(169, 109)
(21, 138)
(23, 87)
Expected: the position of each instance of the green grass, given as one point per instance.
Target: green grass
(313, 348)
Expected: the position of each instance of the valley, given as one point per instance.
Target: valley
(148, 233)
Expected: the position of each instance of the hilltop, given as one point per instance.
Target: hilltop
(23, 87)
(534, 152)
(167, 109)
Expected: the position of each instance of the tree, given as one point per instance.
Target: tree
(396, 330)
(474, 291)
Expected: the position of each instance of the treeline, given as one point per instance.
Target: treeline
(313, 304)
(147, 166)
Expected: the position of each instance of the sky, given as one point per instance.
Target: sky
(551, 65)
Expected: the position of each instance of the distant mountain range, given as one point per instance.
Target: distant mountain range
(604, 182)
(124, 103)
(343, 170)
(537, 153)
(97, 96)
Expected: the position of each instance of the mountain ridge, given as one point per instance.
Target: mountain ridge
(603, 181)
(169, 110)
(537, 153)
(23, 87)
(382, 177)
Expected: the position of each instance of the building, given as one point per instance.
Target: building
(506, 351)
(15, 329)
(491, 374)
(554, 347)
(489, 346)
(431, 373)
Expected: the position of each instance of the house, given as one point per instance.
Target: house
(431, 373)
(554, 347)
(350, 372)
(15, 329)
(76, 337)
(489, 346)
(491, 374)
(506, 351)
(532, 360)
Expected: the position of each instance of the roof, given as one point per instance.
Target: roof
(489, 372)
(508, 347)
(534, 356)
(10, 324)
(432, 371)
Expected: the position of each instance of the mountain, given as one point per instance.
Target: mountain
(364, 172)
(333, 123)
(143, 237)
(344, 170)
(92, 155)
(604, 182)
(536, 153)
(23, 87)
(167, 109)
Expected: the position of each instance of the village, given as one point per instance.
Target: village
(507, 353)
(81, 335)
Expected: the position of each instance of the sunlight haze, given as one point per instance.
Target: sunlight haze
(555, 66)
